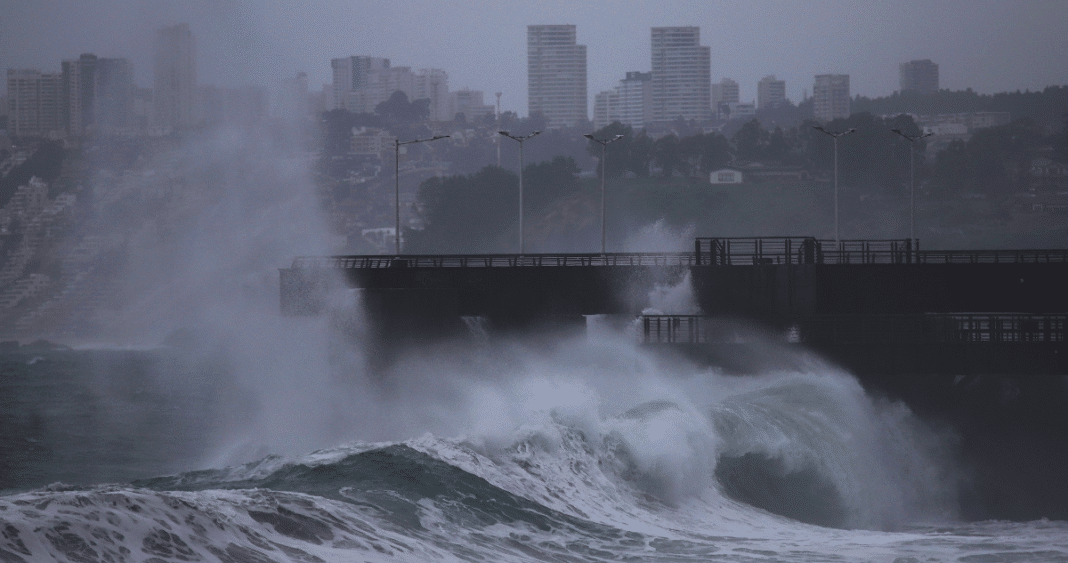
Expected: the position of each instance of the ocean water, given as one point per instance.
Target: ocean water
(556, 450)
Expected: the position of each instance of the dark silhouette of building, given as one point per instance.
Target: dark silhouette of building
(919, 76)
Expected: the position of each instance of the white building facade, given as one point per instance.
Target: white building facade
(433, 84)
(681, 75)
(724, 93)
(556, 75)
(34, 103)
(919, 76)
(771, 92)
(830, 97)
(174, 77)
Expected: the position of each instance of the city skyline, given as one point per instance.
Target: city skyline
(990, 48)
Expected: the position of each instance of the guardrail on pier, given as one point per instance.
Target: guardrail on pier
(809, 250)
(496, 260)
(709, 252)
(868, 329)
(803, 250)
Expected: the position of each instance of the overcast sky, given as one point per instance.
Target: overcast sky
(988, 45)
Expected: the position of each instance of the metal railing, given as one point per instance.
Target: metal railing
(870, 329)
(803, 250)
(1034, 256)
(675, 329)
(711, 252)
(496, 260)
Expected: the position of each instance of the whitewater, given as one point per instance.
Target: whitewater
(253, 438)
(575, 450)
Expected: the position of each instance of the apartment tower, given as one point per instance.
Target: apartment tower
(830, 97)
(556, 75)
(34, 102)
(606, 108)
(351, 74)
(175, 77)
(681, 75)
(79, 83)
(919, 76)
(770, 92)
(725, 95)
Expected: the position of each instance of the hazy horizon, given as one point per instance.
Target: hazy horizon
(990, 46)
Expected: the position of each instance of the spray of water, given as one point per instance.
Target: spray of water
(304, 383)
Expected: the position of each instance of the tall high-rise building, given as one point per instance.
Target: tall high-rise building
(381, 85)
(830, 97)
(681, 74)
(770, 92)
(919, 76)
(636, 99)
(175, 77)
(97, 94)
(294, 102)
(351, 74)
(725, 93)
(471, 104)
(79, 84)
(630, 103)
(606, 108)
(35, 102)
(433, 84)
(556, 75)
(114, 94)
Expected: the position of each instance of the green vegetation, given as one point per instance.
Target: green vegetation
(478, 213)
(1045, 108)
(46, 163)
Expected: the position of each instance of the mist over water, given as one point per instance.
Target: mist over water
(208, 280)
(585, 444)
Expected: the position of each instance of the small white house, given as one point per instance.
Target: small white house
(725, 176)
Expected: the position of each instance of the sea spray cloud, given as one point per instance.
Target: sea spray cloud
(662, 426)
(303, 383)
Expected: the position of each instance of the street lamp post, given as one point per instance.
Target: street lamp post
(396, 187)
(912, 178)
(520, 139)
(604, 155)
(835, 135)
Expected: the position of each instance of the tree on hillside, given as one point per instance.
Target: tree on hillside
(750, 141)
(995, 161)
(1045, 108)
(466, 213)
(871, 160)
(1060, 142)
(667, 157)
(632, 153)
(337, 125)
(476, 212)
(952, 168)
(46, 163)
(398, 108)
(549, 181)
(704, 152)
(1001, 156)
(785, 114)
(778, 148)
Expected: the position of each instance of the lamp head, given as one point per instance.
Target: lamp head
(505, 133)
(590, 137)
